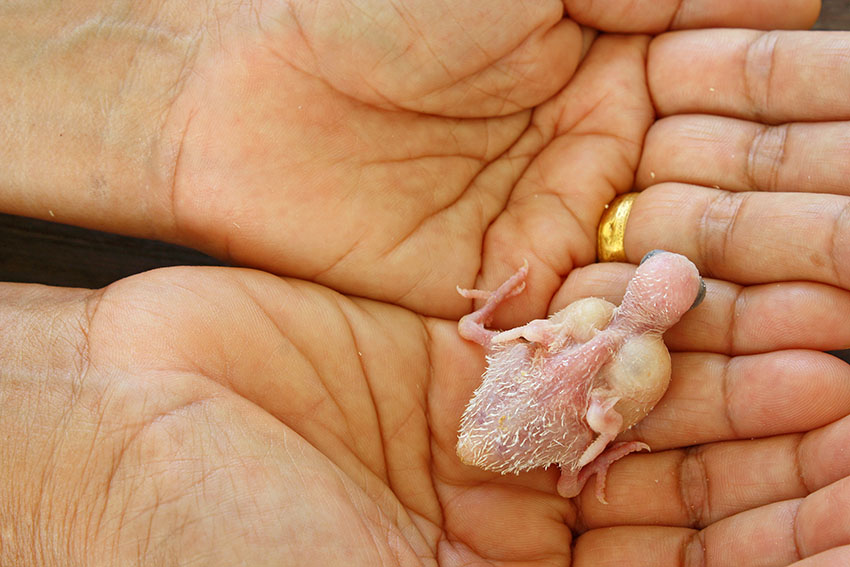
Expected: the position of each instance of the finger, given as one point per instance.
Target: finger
(747, 237)
(632, 546)
(776, 534)
(835, 557)
(717, 398)
(698, 486)
(816, 526)
(768, 77)
(781, 533)
(650, 16)
(734, 319)
(739, 155)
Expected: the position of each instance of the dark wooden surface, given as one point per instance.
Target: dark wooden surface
(35, 251)
(43, 252)
(834, 15)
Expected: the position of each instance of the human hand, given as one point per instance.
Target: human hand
(746, 173)
(225, 416)
(474, 509)
(389, 154)
(222, 416)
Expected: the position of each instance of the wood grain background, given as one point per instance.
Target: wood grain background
(36, 251)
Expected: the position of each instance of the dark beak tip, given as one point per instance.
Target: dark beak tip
(700, 295)
(650, 254)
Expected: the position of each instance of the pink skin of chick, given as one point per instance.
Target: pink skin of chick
(560, 390)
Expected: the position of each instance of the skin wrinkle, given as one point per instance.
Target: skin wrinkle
(459, 155)
(738, 200)
(388, 101)
(795, 532)
(116, 109)
(214, 14)
(364, 376)
(389, 104)
(484, 164)
(228, 246)
(426, 409)
(736, 306)
(693, 475)
(388, 60)
(46, 478)
(726, 396)
(118, 459)
(316, 373)
(840, 233)
(759, 68)
(356, 498)
(171, 180)
(255, 10)
(508, 105)
(156, 420)
(425, 43)
(589, 232)
(152, 35)
(411, 289)
(431, 215)
(478, 47)
(561, 129)
(95, 520)
(673, 20)
(612, 136)
(579, 524)
(431, 542)
(521, 229)
(455, 541)
(146, 541)
(693, 550)
(798, 462)
(531, 126)
(299, 29)
(766, 156)
(719, 218)
(318, 275)
(382, 474)
(504, 208)
(233, 451)
(39, 544)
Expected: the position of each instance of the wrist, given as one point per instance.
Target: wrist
(85, 96)
(40, 390)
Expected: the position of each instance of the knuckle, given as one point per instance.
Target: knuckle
(765, 157)
(839, 247)
(759, 64)
(694, 488)
(717, 228)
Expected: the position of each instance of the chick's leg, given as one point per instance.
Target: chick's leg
(604, 419)
(472, 327)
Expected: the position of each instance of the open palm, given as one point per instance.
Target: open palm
(228, 416)
(231, 417)
(394, 151)
(374, 157)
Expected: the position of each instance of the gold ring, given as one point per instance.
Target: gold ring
(611, 235)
